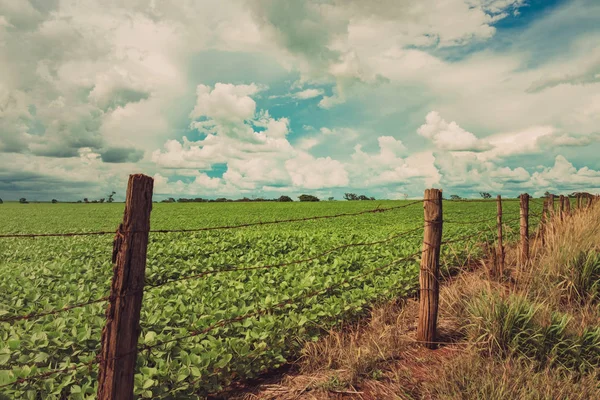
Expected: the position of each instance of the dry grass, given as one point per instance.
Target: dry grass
(532, 335)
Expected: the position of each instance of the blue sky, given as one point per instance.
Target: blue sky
(233, 98)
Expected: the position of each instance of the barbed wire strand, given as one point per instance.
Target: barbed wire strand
(52, 312)
(282, 221)
(285, 264)
(212, 228)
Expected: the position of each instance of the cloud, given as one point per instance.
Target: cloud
(585, 72)
(225, 103)
(388, 167)
(254, 158)
(316, 173)
(121, 155)
(337, 40)
(308, 94)
(565, 176)
(449, 136)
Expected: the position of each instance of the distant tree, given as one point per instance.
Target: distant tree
(575, 194)
(350, 196)
(285, 198)
(455, 197)
(548, 194)
(362, 197)
(79, 201)
(308, 197)
(485, 195)
(102, 200)
(85, 200)
(221, 200)
(405, 195)
(94, 201)
(54, 201)
(371, 198)
(1, 201)
(110, 197)
(23, 200)
(331, 198)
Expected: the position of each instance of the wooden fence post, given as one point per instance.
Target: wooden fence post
(551, 205)
(567, 206)
(579, 201)
(524, 213)
(561, 203)
(429, 272)
(500, 250)
(122, 329)
(542, 229)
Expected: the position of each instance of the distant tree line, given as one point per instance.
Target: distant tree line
(486, 195)
(284, 199)
(354, 196)
(108, 199)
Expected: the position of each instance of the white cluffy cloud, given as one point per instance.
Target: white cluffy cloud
(255, 158)
(449, 136)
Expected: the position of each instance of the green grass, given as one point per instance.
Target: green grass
(47, 273)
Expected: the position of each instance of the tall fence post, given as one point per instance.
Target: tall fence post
(561, 203)
(567, 206)
(429, 272)
(542, 229)
(122, 329)
(579, 202)
(500, 250)
(524, 213)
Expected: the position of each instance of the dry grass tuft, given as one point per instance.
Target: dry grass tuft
(356, 352)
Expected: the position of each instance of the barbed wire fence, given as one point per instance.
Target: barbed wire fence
(119, 343)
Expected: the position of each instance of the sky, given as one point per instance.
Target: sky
(263, 98)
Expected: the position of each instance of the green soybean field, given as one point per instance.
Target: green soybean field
(303, 278)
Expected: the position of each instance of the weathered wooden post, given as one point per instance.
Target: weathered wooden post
(567, 206)
(542, 230)
(500, 250)
(524, 213)
(561, 202)
(579, 201)
(429, 272)
(122, 329)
